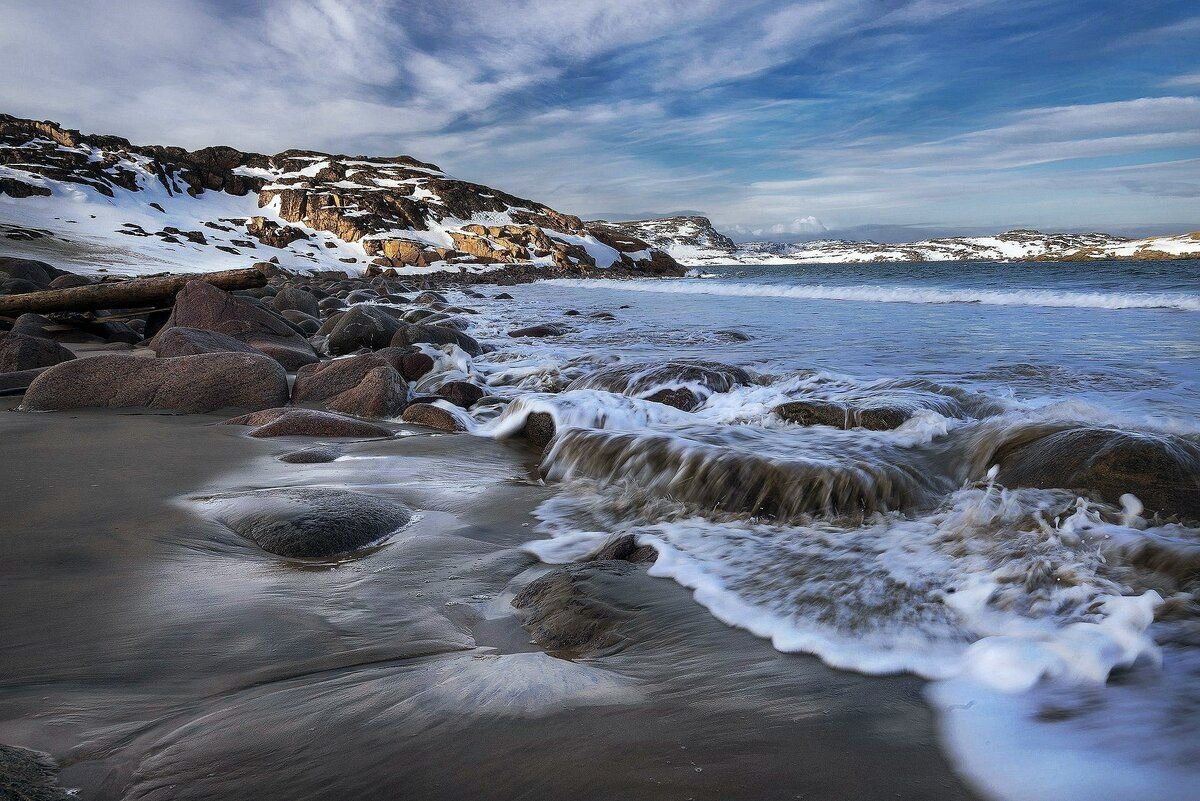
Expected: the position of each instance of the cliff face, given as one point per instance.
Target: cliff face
(692, 239)
(384, 211)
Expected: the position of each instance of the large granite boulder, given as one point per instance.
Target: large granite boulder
(193, 384)
(410, 334)
(204, 306)
(290, 298)
(22, 352)
(287, 421)
(362, 327)
(183, 341)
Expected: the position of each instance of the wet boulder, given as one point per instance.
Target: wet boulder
(410, 334)
(29, 776)
(382, 392)
(343, 384)
(565, 617)
(461, 393)
(319, 455)
(202, 305)
(183, 341)
(624, 547)
(1161, 470)
(22, 352)
(539, 429)
(191, 384)
(290, 298)
(431, 416)
(682, 384)
(362, 327)
(309, 522)
(542, 330)
(841, 415)
(288, 421)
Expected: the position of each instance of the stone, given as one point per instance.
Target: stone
(562, 616)
(29, 776)
(318, 455)
(1161, 470)
(34, 325)
(461, 393)
(362, 327)
(309, 522)
(840, 415)
(38, 274)
(430, 416)
(201, 305)
(289, 421)
(17, 382)
(292, 299)
(184, 341)
(539, 428)
(382, 392)
(69, 281)
(306, 323)
(409, 334)
(22, 352)
(680, 397)
(191, 384)
(542, 330)
(624, 547)
(669, 382)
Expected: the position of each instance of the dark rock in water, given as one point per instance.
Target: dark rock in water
(571, 313)
(460, 393)
(362, 296)
(331, 304)
(16, 383)
(840, 415)
(425, 298)
(287, 421)
(539, 428)
(311, 522)
(732, 335)
(430, 416)
(183, 341)
(542, 330)
(382, 392)
(667, 382)
(29, 776)
(602, 315)
(201, 305)
(410, 334)
(1162, 470)
(502, 296)
(681, 398)
(192, 384)
(564, 618)
(413, 365)
(318, 455)
(624, 548)
(362, 327)
(21, 352)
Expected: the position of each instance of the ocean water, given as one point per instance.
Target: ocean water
(1060, 665)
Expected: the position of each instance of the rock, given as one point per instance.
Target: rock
(320, 382)
(201, 305)
(16, 383)
(681, 398)
(362, 327)
(29, 776)
(461, 393)
(318, 455)
(37, 274)
(503, 296)
(69, 281)
(288, 421)
(674, 383)
(183, 341)
(425, 298)
(563, 617)
(539, 428)
(310, 522)
(382, 392)
(33, 325)
(543, 330)
(292, 299)
(839, 415)
(624, 547)
(306, 323)
(331, 304)
(192, 384)
(430, 416)
(413, 365)
(409, 334)
(1161, 470)
(21, 352)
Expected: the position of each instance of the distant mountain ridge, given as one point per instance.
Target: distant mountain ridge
(85, 198)
(693, 241)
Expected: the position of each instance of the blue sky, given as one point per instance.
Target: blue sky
(774, 118)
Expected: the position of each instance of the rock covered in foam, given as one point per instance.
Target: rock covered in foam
(678, 383)
(842, 415)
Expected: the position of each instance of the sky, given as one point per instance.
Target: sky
(776, 119)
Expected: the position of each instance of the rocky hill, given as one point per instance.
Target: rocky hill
(694, 241)
(101, 202)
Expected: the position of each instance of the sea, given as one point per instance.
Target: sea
(1058, 664)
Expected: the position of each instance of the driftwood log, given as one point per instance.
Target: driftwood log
(138, 292)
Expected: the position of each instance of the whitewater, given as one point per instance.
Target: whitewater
(1059, 666)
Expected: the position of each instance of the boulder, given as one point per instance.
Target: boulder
(202, 305)
(288, 421)
(562, 616)
(1161, 470)
(183, 341)
(318, 455)
(409, 334)
(16, 383)
(37, 274)
(385, 395)
(841, 415)
(310, 522)
(674, 383)
(382, 392)
(33, 325)
(290, 298)
(539, 428)
(69, 281)
(362, 327)
(29, 776)
(22, 352)
(542, 330)
(430, 416)
(425, 298)
(624, 547)
(681, 398)
(192, 384)
(461, 393)
(305, 322)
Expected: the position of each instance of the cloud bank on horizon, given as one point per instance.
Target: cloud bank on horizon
(775, 118)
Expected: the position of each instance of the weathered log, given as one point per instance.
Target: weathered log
(124, 294)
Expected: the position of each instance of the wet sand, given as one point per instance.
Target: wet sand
(157, 655)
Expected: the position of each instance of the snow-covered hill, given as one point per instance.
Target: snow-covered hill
(96, 203)
(694, 241)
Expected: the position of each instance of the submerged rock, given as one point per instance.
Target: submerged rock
(29, 776)
(840, 415)
(1161, 470)
(293, 422)
(461, 393)
(318, 455)
(624, 548)
(674, 383)
(563, 617)
(543, 330)
(310, 522)
(201, 383)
